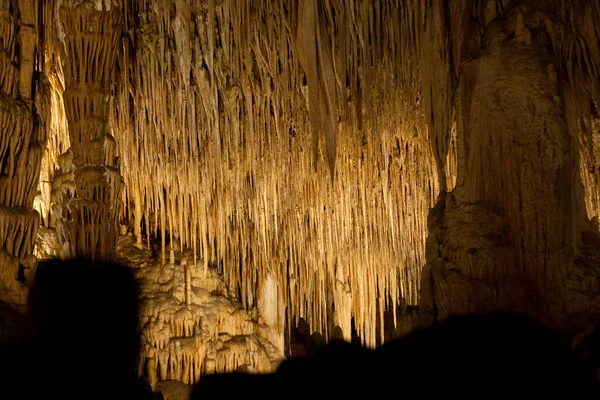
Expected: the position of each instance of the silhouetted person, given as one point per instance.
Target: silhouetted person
(496, 355)
(86, 336)
(237, 385)
(333, 371)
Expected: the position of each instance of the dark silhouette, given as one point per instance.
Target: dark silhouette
(587, 345)
(330, 371)
(85, 339)
(496, 354)
(478, 356)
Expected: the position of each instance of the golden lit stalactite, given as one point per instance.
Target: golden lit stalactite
(24, 92)
(215, 118)
(436, 75)
(590, 169)
(58, 132)
(87, 189)
(314, 55)
(574, 38)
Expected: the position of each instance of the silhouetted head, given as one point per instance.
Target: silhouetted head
(503, 352)
(237, 385)
(337, 370)
(86, 317)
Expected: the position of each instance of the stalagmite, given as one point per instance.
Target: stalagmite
(343, 304)
(270, 311)
(286, 156)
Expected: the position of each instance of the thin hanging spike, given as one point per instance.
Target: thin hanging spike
(306, 46)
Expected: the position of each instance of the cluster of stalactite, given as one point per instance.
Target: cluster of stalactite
(282, 139)
(24, 91)
(86, 191)
(58, 131)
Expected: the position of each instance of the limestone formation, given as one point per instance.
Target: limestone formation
(189, 334)
(221, 109)
(514, 233)
(24, 91)
(87, 190)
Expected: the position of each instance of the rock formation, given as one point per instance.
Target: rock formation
(24, 93)
(220, 113)
(87, 189)
(514, 234)
(190, 326)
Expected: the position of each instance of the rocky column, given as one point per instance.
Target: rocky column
(87, 189)
(505, 237)
(24, 93)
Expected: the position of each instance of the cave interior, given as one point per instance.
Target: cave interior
(277, 174)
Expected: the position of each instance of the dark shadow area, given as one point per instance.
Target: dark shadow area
(478, 356)
(84, 340)
(301, 342)
(14, 325)
(495, 354)
(335, 370)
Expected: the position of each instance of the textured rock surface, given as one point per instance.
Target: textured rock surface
(87, 189)
(24, 92)
(191, 324)
(513, 233)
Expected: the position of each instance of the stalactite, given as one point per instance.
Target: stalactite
(215, 111)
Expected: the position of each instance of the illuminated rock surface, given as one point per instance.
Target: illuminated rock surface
(208, 333)
(24, 95)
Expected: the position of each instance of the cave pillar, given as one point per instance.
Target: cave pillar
(271, 312)
(502, 239)
(24, 94)
(87, 189)
(343, 304)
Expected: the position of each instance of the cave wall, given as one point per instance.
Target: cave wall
(514, 233)
(24, 91)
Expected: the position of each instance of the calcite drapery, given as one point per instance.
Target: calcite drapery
(219, 103)
(189, 324)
